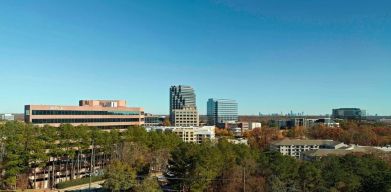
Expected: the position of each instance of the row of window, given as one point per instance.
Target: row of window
(73, 112)
(45, 121)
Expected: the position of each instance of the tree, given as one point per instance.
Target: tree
(182, 165)
(310, 177)
(149, 184)
(167, 121)
(21, 148)
(207, 167)
(260, 138)
(297, 132)
(285, 168)
(337, 174)
(119, 177)
(276, 185)
(223, 132)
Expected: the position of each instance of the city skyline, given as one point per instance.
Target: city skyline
(269, 57)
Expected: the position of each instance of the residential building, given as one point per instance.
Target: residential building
(328, 122)
(296, 122)
(303, 122)
(291, 123)
(205, 133)
(221, 111)
(248, 125)
(236, 131)
(238, 141)
(253, 125)
(183, 108)
(383, 120)
(96, 113)
(295, 147)
(244, 126)
(228, 125)
(7, 117)
(348, 113)
(188, 134)
(320, 153)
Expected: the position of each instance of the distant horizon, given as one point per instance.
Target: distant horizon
(243, 114)
(269, 56)
(286, 113)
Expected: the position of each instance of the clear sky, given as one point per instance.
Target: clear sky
(271, 56)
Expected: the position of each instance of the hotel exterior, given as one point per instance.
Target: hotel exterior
(106, 114)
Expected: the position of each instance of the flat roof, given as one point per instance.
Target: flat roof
(340, 152)
(306, 142)
(84, 107)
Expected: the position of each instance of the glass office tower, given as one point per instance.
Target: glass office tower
(183, 109)
(182, 96)
(349, 113)
(221, 111)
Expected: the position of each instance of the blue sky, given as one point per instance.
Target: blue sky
(271, 56)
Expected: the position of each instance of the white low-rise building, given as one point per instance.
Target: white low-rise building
(253, 125)
(238, 141)
(189, 134)
(7, 117)
(295, 147)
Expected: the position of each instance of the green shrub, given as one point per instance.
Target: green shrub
(76, 182)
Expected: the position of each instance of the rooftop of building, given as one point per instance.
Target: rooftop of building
(103, 103)
(287, 141)
(347, 109)
(89, 104)
(341, 151)
(215, 99)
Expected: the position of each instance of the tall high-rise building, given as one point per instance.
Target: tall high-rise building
(183, 108)
(221, 111)
(182, 96)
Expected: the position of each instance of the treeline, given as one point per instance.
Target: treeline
(222, 166)
(349, 132)
(132, 158)
(25, 148)
(74, 151)
(227, 167)
(354, 132)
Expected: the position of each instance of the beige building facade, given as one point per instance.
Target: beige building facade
(188, 134)
(105, 114)
(186, 117)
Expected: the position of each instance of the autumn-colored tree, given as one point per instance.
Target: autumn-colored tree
(223, 133)
(297, 132)
(260, 138)
(167, 121)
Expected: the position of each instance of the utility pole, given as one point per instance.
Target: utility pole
(92, 154)
(244, 179)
